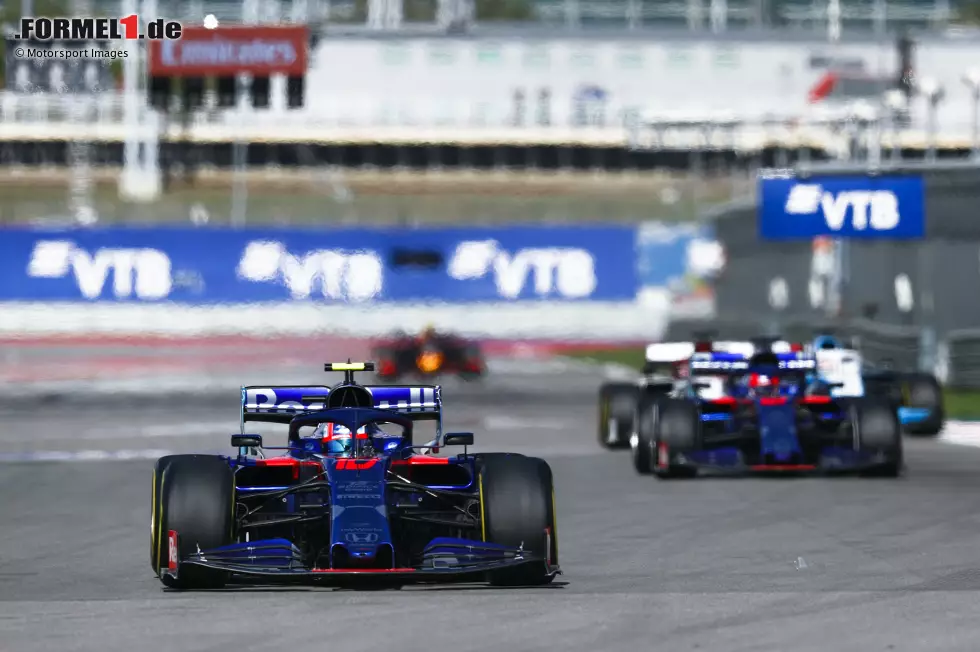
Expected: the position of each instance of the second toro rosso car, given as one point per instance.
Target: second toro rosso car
(351, 500)
(771, 415)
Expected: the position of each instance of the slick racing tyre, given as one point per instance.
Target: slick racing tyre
(617, 409)
(643, 445)
(677, 431)
(195, 499)
(156, 550)
(517, 508)
(878, 432)
(924, 391)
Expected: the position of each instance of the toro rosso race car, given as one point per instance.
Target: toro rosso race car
(427, 356)
(772, 414)
(351, 499)
(917, 397)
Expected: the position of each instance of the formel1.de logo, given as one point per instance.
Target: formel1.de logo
(98, 29)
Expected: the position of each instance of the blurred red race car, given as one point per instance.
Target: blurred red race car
(428, 355)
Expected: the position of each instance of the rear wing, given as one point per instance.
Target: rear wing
(280, 404)
(737, 363)
(748, 349)
(664, 357)
(669, 352)
(673, 352)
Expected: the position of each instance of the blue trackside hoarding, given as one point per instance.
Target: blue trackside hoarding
(222, 265)
(675, 255)
(879, 207)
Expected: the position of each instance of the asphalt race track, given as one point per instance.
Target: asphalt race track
(712, 564)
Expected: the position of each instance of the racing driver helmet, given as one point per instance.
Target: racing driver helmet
(763, 385)
(338, 442)
(336, 439)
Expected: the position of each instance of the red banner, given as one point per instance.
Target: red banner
(202, 52)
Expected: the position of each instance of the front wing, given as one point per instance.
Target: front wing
(832, 459)
(908, 416)
(279, 561)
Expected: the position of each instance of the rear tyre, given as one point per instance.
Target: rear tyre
(196, 499)
(617, 410)
(878, 432)
(517, 509)
(677, 432)
(924, 391)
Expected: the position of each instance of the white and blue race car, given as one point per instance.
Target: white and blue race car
(917, 396)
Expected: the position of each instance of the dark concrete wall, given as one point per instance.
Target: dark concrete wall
(946, 265)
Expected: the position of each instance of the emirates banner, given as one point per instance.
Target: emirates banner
(225, 51)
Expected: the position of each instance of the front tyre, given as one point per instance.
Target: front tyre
(196, 500)
(517, 509)
(156, 548)
(617, 409)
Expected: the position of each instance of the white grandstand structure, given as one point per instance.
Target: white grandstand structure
(746, 88)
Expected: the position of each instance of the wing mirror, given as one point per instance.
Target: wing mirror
(458, 439)
(246, 441)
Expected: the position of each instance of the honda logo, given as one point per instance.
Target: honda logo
(358, 537)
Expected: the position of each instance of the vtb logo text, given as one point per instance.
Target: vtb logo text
(877, 209)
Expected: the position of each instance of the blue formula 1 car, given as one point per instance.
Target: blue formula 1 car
(351, 500)
(773, 416)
